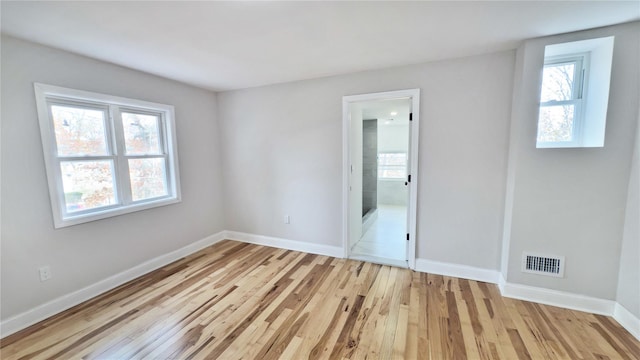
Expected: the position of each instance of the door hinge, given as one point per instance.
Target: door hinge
(409, 178)
(410, 116)
(407, 236)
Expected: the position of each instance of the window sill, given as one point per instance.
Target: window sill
(71, 220)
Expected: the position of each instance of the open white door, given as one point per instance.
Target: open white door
(408, 184)
(353, 118)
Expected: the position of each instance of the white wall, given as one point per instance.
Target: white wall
(393, 138)
(571, 202)
(282, 155)
(628, 293)
(84, 254)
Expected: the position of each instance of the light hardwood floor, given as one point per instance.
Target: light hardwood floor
(241, 301)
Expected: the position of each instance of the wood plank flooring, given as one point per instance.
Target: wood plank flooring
(241, 301)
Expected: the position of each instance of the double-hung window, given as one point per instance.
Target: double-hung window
(574, 93)
(561, 114)
(105, 155)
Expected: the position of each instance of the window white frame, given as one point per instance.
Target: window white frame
(112, 107)
(597, 54)
(392, 167)
(580, 78)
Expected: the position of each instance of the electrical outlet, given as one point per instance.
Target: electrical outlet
(287, 219)
(45, 273)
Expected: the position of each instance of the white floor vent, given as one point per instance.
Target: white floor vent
(543, 264)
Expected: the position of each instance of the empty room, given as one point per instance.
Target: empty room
(320, 180)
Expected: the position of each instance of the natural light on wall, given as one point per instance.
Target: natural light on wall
(574, 93)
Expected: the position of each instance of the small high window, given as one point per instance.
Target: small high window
(105, 155)
(574, 94)
(561, 98)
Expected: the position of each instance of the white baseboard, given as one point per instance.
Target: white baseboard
(459, 271)
(41, 312)
(628, 321)
(320, 249)
(558, 298)
(501, 282)
(574, 302)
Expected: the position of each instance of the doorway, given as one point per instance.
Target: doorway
(380, 138)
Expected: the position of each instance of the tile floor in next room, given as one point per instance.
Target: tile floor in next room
(386, 238)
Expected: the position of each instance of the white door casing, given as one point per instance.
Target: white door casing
(352, 174)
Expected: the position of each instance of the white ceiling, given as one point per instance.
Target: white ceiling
(382, 110)
(231, 45)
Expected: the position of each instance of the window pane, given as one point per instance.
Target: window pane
(87, 184)
(399, 159)
(557, 82)
(392, 165)
(148, 179)
(141, 134)
(392, 173)
(79, 131)
(555, 123)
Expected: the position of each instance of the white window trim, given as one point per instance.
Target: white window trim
(595, 91)
(46, 93)
(579, 91)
